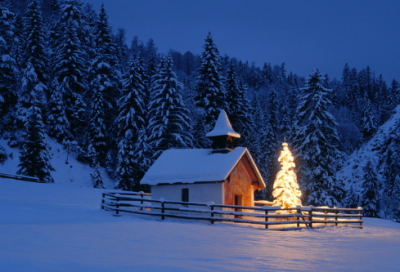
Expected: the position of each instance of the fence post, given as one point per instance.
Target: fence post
(266, 219)
(298, 216)
(310, 213)
(162, 210)
(336, 217)
(359, 218)
(141, 202)
(102, 202)
(212, 214)
(325, 216)
(117, 210)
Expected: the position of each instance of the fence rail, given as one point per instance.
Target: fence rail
(293, 218)
(19, 177)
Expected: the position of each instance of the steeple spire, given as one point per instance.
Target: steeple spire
(222, 135)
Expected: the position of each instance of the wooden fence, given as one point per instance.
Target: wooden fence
(19, 177)
(270, 217)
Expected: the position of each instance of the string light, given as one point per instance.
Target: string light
(286, 190)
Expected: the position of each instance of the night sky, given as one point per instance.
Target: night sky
(303, 34)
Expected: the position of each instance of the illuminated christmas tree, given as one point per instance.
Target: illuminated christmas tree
(286, 190)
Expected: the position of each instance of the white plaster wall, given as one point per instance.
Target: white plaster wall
(201, 193)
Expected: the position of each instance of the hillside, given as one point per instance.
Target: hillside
(73, 174)
(352, 170)
(51, 227)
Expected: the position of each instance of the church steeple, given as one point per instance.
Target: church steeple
(223, 135)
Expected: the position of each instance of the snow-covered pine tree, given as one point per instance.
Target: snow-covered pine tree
(352, 199)
(17, 49)
(142, 158)
(315, 145)
(97, 181)
(104, 42)
(169, 125)
(395, 90)
(70, 72)
(237, 111)
(151, 67)
(126, 166)
(285, 128)
(72, 10)
(273, 113)
(57, 122)
(370, 192)
(131, 105)
(121, 48)
(130, 121)
(368, 120)
(210, 89)
(110, 163)
(35, 51)
(104, 65)
(145, 82)
(258, 143)
(97, 130)
(34, 158)
(8, 80)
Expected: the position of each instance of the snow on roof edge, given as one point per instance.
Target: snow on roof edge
(223, 127)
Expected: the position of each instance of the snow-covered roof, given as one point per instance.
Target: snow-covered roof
(223, 127)
(196, 165)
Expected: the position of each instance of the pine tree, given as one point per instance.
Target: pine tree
(126, 165)
(8, 81)
(131, 105)
(57, 121)
(286, 190)
(35, 46)
(97, 181)
(395, 90)
(237, 111)
(210, 89)
(70, 72)
(104, 65)
(352, 199)
(17, 49)
(142, 157)
(316, 143)
(110, 163)
(368, 120)
(151, 67)
(145, 82)
(97, 129)
(71, 11)
(34, 158)
(105, 46)
(370, 193)
(273, 115)
(169, 125)
(121, 48)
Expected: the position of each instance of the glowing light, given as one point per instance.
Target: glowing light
(286, 190)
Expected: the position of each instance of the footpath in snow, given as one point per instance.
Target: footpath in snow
(57, 227)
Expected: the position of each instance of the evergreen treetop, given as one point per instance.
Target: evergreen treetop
(169, 124)
(316, 143)
(210, 88)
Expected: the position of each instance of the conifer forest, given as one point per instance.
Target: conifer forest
(117, 103)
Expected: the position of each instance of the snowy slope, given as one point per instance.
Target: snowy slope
(352, 170)
(51, 227)
(74, 173)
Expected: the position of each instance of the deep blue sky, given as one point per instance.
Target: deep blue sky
(303, 34)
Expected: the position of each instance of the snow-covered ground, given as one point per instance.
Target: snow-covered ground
(74, 173)
(57, 227)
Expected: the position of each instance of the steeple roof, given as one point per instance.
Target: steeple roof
(223, 127)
